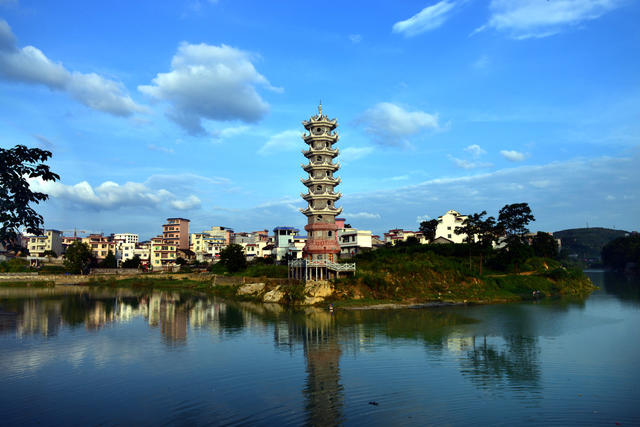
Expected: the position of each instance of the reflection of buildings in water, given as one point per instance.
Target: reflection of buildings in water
(39, 316)
(173, 322)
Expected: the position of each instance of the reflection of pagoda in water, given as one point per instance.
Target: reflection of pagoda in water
(323, 392)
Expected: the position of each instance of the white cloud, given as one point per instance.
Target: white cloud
(354, 153)
(355, 38)
(399, 178)
(153, 147)
(561, 194)
(390, 124)
(191, 202)
(429, 18)
(44, 142)
(288, 140)
(537, 18)
(362, 215)
(467, 164)
(422, 218)
(475, 150)
(111, 195)
(481, 63)
(30, 65)
(210, 82)
(512, 155)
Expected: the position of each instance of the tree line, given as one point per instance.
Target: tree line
(508, 232)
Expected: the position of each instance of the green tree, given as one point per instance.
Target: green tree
(132, 262)
(232, 257)
(480, 232)
(78, 258)
(514, 218)
(618, 253)
(109, 261)
(181, 261)
(428, 229)
(17, 166)
(544, 245)
(50, 253)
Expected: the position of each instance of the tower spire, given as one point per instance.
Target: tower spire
(320, 108)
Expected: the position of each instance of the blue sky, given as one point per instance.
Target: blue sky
(193, 109)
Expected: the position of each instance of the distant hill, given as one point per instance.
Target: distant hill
(587, 242)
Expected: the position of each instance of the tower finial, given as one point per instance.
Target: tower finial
(320, 108)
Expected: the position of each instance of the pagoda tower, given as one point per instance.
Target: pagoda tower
(322, 241)
(321, 251)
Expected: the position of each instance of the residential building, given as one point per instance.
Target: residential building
(399, 235)
(124, 250)
(100, 245)
(143, 250)
(447, 225)
(51, 240)
(296, 247)
(126, 237)
(282, 237)
(176, 232)
(353, 241)
(207, 245)
(163, 254)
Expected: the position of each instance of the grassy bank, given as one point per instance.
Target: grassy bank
(427, 273)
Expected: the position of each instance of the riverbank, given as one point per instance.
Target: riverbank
(381, 291)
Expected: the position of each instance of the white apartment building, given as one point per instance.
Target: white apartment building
(447, 225)
(353, 241)
(125, 251)
(143, 250)
(207, 246)
(126, 237)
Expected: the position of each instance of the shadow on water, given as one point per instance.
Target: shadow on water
(624, 287)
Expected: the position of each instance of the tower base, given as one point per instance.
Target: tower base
(302, 269)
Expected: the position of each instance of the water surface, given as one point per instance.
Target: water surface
(79, 356)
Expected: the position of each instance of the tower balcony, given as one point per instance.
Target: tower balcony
(317, 181)
(326, 151)
(310, 137)
(327, 195)
(321, 166)
(309, 211)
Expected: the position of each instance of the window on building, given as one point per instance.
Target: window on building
(449, 228)
(329, 233)
(449, 236)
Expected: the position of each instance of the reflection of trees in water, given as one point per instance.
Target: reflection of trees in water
(625, 287)
(515, 364)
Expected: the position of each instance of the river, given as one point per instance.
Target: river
(79, 356)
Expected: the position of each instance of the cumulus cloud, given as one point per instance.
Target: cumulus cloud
(288, 140)
(512, 155)
(468, 164)
(354, 153)
(31, 66)
(111, 195)
(210, 82)
(390, 124)
(475, 150)
(535, 18)
(429, 18)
